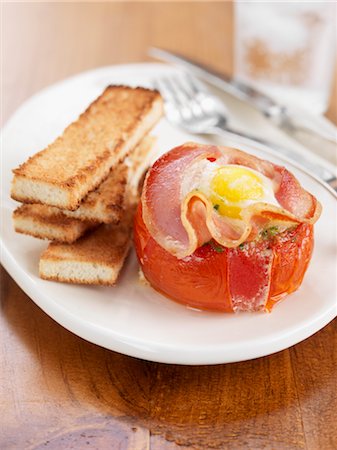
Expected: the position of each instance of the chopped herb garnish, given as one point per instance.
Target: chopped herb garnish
(242, 246)
(270, 232)
(216, 247)
(273, 231)
(216, 206)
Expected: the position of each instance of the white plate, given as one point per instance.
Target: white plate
(132, 318)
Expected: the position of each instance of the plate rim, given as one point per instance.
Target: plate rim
(94, 334)
(211, 355)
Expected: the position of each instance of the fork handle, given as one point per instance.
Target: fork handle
(321, 172)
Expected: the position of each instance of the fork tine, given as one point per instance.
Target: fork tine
(183, 97)
(163, 89)
(203, 97)
(181, 84)
(171, 104)
(170, 93)
(192, 92)
(196, 85)
(177, 89)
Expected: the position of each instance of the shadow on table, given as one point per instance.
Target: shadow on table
(81, 386)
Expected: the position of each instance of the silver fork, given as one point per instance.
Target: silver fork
(190, 106)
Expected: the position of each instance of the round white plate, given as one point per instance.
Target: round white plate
(131, 318)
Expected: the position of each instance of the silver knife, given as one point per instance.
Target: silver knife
(261, 102)
(280, 115)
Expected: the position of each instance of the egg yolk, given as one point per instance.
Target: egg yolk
(232, 185)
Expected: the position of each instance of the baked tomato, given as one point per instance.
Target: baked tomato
(254, 276)
(220, 229)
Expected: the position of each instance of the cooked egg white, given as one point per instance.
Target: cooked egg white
(230, 188)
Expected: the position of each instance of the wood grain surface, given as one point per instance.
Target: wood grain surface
(58, 391)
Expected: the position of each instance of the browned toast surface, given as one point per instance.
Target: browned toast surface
(96, 258)
(105, 204)
(78, 161)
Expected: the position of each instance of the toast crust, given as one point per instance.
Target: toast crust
(44, 222)
(106, 204)
(95, 259)
(78, 161)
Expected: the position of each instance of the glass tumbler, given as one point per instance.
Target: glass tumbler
(287, 50)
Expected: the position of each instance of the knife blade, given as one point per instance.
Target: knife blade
(280, 115)
(323, 170)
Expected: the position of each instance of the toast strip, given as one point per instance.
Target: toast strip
(46, 222)
(105, 204)
(97, 258)
(79, 160)
(137, 163)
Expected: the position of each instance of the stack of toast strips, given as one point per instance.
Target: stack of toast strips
(81, 191)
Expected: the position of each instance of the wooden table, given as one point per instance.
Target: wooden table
(58, 391)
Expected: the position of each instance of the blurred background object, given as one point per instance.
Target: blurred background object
(287, 49)
(46, 42)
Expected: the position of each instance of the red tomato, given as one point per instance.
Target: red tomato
(201, 279)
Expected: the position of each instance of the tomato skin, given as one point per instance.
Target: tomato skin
(291, 259)
(201, 279)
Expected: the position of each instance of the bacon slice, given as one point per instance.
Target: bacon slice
(161, 196)
(249, 277)
(181, 225)
(293, 197)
